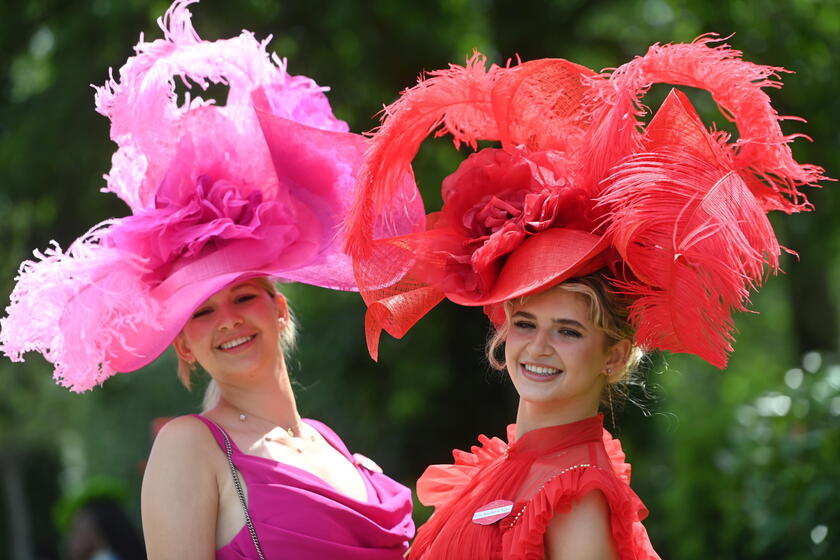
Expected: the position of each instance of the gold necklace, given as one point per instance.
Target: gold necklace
(289, 439)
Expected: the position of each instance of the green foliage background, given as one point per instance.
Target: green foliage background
(734, 464)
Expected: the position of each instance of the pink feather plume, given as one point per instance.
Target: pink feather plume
(147, 122)
(72, 306)
(99, 287)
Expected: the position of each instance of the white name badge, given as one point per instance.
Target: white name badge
(492, 512)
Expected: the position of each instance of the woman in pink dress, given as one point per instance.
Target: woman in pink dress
(590, 231)
(222, 198)
(296, 489)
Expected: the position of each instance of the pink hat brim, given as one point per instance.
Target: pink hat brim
(190, 286)
(316, 168)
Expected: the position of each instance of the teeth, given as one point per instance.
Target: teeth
(235, 342)
(541, 370)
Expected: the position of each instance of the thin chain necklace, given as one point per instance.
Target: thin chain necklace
(288, 434)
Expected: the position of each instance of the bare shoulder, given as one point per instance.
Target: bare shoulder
(184, 451)
(582, 532)
(180, 494)
(183, 437)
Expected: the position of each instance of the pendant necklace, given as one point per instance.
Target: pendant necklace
(288, 437)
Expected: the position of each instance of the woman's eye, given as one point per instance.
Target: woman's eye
(201, 313)
(570, 333)
(245, 297)
(523, 325)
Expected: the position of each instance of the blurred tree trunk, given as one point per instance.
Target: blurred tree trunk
(814, 311)
(813, 307)
(17, 510)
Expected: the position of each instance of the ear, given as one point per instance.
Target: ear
(182, 348)
(282, 308)
(617, 356)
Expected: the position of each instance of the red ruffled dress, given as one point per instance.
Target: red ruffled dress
(541, 473)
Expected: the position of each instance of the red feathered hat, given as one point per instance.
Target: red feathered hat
(674, 210)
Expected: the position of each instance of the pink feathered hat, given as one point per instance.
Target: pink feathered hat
(257, 187)
(673, 213)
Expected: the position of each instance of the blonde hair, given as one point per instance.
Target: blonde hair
(286, 343)
(608, 311)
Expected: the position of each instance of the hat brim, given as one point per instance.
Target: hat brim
(316, 170)
(543, 260)
(177, 311)
(187, 288)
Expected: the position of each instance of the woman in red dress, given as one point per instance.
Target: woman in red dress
(561, 486)
(591, 230)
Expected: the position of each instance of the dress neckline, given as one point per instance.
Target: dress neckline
(542, 441)
(303, 473)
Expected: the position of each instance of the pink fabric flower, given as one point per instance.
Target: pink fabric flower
(217, 211)
(199, 204)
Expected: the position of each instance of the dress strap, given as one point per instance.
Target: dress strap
(218, 432)
(228, 446)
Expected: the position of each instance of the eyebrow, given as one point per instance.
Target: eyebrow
(561, 321)
(244, 284)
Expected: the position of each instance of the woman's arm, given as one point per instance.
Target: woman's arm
(180, 495)
(582, 532)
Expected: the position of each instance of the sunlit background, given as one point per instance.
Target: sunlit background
(743, 463)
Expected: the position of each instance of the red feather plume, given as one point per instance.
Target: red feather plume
(693, 235)
(761, 155)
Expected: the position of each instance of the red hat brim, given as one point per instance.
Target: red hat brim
(543, 260)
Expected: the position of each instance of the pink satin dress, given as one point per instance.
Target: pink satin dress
(298, 515)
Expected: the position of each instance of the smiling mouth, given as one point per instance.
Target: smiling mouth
(540, 372)
(236, 342)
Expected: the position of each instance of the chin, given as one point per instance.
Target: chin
(240, 370)
(536, 395)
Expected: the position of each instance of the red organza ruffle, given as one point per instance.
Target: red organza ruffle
(440, 484)
(523, 535)
(523, 539)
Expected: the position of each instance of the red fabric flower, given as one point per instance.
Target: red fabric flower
(494, 201)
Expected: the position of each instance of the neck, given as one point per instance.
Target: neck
(269, 397)
(532, 416)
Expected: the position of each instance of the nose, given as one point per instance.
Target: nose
(539, 345)
(228, 317)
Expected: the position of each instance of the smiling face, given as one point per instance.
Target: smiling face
(556, 357)
(235, 331)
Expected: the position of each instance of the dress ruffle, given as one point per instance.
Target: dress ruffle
(620, 467)
(523, 532)
(440, 484)
(523, 537)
